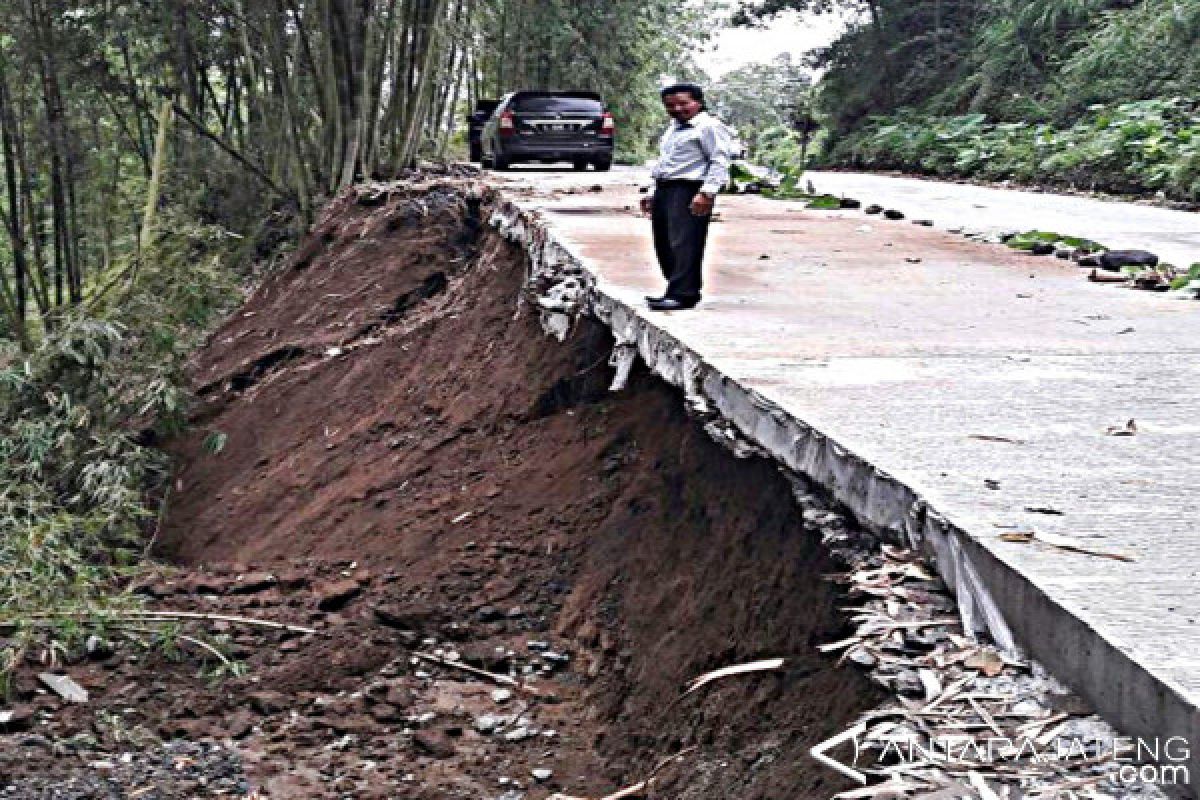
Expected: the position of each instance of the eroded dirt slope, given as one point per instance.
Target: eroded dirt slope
(410, 465)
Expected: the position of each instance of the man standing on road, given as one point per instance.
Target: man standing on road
(693, 165)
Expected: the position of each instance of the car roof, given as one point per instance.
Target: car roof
(582, 95)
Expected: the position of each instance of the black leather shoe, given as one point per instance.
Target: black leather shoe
(673, 304)
(658, 299)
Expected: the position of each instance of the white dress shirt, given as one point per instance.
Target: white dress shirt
(700, 149)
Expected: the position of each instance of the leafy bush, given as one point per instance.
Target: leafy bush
(78, 485)
(1138, 147)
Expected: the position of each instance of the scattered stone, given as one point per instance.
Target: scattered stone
(398, 696)
(335, 596)
(862, 657)
(97, 647)
(1114, 260)
(252, 583)
(488, 723)
(502, 696)
(16, 719)
(873, 209)
(892, 213)
(908, 682)
(850, 203)
(925, 223)
(268, 702)
(1042, 248)
(489, 614)
(518, 734)
(420, 720)
(434, 743)
(541, 775)
(64, 687)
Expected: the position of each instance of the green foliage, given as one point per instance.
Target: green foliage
(764, 97)
(72, 478)
(1098, 93)
(1138, 147)
(620, 48)
(1029, 239)
(76, 482)
(782, 149)
(215, 442)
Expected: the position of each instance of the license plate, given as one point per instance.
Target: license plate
(559, 128)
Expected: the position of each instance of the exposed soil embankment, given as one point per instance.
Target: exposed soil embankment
(409, 463)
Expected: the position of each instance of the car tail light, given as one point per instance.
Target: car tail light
(507, 126)
(607, 126)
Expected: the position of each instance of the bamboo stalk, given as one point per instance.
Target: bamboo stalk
(154, 188)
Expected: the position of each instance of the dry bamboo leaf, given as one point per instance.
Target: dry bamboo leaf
(919, 573)
(843, 644)
(985, 716)
(740, 669)
(986, 661)
(931, 684)
(895, 788)
(950, 693)
(985, 792)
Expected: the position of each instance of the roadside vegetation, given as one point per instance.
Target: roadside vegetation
(1090, 94)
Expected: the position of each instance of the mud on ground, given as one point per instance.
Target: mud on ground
(411, 466)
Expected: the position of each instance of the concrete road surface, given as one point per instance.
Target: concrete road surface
(960, 390)
(1173, 235)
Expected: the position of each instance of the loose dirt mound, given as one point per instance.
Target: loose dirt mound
(410, 464)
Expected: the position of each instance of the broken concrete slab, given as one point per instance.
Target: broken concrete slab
(885, 398)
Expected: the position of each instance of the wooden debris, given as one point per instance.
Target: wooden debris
(1063, 542)
(983, 437)
(951, 688)
(143, 616)
(741, 669)
(503, 680)
(1128, 429)
(638, 789)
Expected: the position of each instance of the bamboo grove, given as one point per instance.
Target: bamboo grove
(114, 112)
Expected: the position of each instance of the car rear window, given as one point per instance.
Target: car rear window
(577, 105)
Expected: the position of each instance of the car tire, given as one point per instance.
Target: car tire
(603, 164)
(579, 166)
(486, 162)
(476, 154)
(500, 163)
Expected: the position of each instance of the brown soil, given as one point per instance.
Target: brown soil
(411, 465)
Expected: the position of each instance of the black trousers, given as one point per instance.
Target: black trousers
(679, 238)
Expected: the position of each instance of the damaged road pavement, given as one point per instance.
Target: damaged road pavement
(483, 573)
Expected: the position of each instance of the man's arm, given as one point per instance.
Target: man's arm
(717, 143)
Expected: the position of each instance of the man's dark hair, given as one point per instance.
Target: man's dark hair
(695, 91)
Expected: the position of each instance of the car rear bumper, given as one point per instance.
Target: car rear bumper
(559, 150)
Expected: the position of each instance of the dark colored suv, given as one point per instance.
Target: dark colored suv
(475, 123)
(549, 126)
